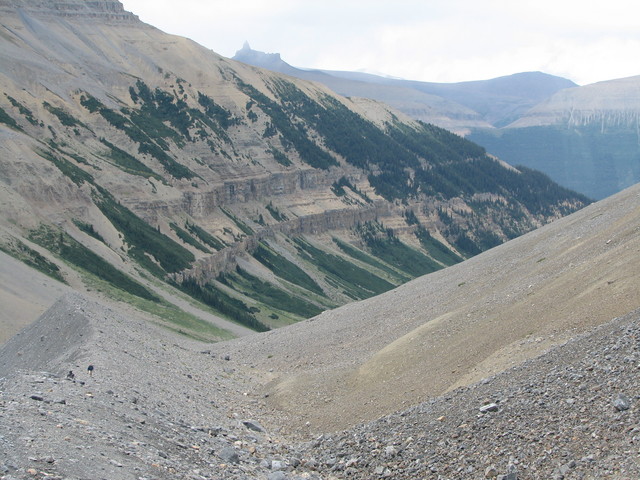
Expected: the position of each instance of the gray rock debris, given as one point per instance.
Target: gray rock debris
(490, 407)
(187, 420)
(622, 403)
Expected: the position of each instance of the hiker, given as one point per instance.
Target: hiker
(71, 375)
(90, 369)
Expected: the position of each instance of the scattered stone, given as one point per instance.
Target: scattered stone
(36, 397)
(390, 451)
(229, 455)
(253, 425)
(491, 472)
(352, 462)
(279, 475)
(490, 407)
(622, 403)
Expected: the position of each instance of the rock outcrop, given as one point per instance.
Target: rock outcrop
(87, 10)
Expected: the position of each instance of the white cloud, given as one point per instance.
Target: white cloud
(431, 40)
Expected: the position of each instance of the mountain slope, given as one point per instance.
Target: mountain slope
(456, 326)
(455, 106)
(585, 138)
(147, 167)
(417, 104)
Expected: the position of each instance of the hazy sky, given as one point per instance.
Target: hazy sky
(430, 40)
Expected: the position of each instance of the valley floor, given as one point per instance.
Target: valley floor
(160, 406)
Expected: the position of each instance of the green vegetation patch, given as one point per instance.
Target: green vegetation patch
(391, 250)
(148, 134)
(216, 117)
(127, 162)
(269, 294)
(223, 303)
(73, 172)
(169, 315)
(205, 236)
(292, 132)
(338, 188)
(144, 239)
(33, 258)
(277, 215)
(374, 262)
(280, 157)
(357, 282)
(8, 120)
(244, 228)
(77, 254)
(28, 114)
(437, 250)
(65, 117)
(88, 229)
(187, 238)
(359, 141)
(286, 269)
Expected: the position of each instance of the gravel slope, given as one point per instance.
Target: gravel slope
(571, 413)
(455, 326)
(154, 405)
(25, 294)
(159, 407)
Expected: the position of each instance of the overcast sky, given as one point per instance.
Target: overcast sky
(430, 40)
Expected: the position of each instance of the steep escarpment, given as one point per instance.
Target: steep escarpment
(585, 137)
(101, 10)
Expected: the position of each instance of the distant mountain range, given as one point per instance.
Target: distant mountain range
(454, 106)
(585, 138)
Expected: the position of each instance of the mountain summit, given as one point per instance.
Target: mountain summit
(270, 61)
(457, 106)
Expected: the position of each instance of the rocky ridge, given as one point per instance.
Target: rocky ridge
(102, 10)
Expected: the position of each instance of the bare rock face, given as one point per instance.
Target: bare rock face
(103, 10)
(613, 103)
